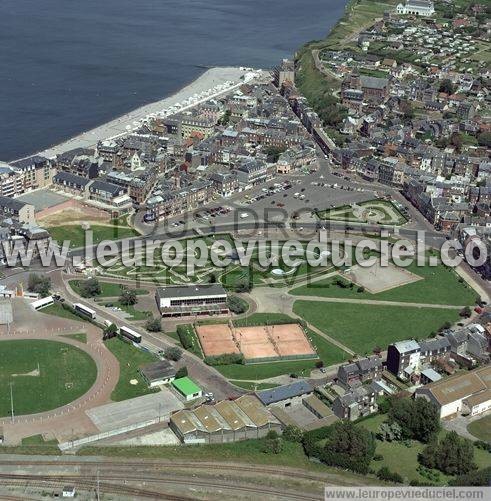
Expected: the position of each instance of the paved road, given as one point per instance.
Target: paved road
(377, 302)
(208, 377)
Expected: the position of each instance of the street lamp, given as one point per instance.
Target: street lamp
(12, 401)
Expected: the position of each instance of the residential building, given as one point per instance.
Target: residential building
(356, 403)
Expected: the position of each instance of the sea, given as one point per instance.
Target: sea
(67, 66)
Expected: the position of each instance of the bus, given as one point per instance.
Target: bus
(42, 303)
(130, 334)
(84, 310)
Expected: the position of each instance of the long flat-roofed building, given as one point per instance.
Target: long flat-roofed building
(464, 393)
(226, 421)
(191, 300)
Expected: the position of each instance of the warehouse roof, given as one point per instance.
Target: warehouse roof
(158, 370)
(284, 392)
(460, 386)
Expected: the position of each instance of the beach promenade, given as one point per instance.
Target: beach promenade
(125, 123)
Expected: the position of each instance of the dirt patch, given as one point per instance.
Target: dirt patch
(263, 341)
(74, 214)
(381, 278)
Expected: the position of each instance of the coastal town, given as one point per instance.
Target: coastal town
(357, 375)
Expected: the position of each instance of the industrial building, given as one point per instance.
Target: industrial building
(467, 393)
(226, 421)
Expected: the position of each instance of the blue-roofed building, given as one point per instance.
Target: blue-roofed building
(286, 395)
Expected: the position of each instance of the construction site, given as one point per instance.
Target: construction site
(257, 343)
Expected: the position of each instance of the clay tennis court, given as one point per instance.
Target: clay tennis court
(263, 341)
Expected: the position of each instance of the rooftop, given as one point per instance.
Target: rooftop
(285, 392)
(186, 386)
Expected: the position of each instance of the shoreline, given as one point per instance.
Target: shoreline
(123, 124)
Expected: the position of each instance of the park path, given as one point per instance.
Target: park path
(376, 302)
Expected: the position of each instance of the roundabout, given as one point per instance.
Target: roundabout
(43, 375)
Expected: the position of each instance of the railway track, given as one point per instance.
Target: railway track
(54, 481)
(198, 465)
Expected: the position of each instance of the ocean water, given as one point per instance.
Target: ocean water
(67, 66)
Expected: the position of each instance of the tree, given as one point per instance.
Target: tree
(474, 478)
(182, 372)
(90, 288)
(484, 139)
(153, 325)
(446, 86)
(173, 353)
(385, 474)
(236, 304)
(418, 418)
(292, 433)
(456, 140)
(389, 432)
(452, 455)
(243, 285)
(110, 331)
(39, 284)
(349, 446)
(128, 297)
(465, 312)
(273, 444)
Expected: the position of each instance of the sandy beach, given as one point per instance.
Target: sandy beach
(119, 126)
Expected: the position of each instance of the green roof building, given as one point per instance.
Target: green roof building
(187, 388)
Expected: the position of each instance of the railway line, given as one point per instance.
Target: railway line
(112, 484)
(165, 465)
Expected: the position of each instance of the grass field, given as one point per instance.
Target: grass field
(108, 289)
(130, 360)
(481, 428)
(440, 285)
(363, 327)
(58, 310)
(246, 451)
(65, 374)
(131, 310)
(76, 234)
(404, 460)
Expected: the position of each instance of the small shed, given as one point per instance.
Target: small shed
(158, 373)
(187, 388)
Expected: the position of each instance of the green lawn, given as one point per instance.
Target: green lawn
(108, 289)
(440, 285)
(131, 310)
(263, 319)
(66, 373)
(174, 336)
(130, 360)
(481, 428)
(267, 370)
(248, 451)
(58, 310)
(76, 234)
(362, 327)
(80, 337)
(404, 460)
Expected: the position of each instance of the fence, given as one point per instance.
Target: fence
(72, 444)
